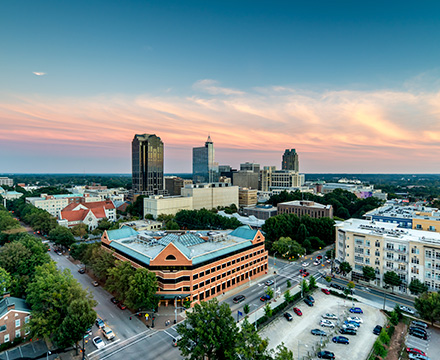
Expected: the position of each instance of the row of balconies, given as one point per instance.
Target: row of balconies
(396, 250)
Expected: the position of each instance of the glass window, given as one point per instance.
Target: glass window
(6, 338)
(17, 333)
(17, 323)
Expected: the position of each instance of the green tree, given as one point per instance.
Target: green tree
(104, 224)
(428, 306)
(100, 260)
(345, 268)
(5, 281)
(269, 291)
(287, 247)
(287, 296)
(328, 279)
(283, 353)
(304, 287)
(246, 309)
(369, 273)
(417, 287)
(61, 235)
(79, 230)
(119, 279)
(392, 279)
(80, 316)
(249, 345)
(312, 283)
(209, 332)
(288, 284)
(302, 234)
(268, 310)
(142, 291)
(172, 225)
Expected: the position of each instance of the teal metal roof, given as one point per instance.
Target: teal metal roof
(220, 252)
(244, 232)
(62, 196)
(123, 232)
(134, 254)
(14, 193)
(20, 305)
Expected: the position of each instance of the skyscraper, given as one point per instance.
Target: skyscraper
(205, 169)
(290, 160)
(147, 164)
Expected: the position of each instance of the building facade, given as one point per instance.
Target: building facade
(88, 213)
(262, 212)
(246, 179)
(205, 169)
(303, 207)
(198, 266)
(6, 181)
(211, 196)
(167, 205)
(290, 160)
(173, 184)
(147, 164)
(247, 197)
(14, 318)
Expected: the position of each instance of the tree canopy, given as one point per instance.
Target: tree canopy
(204, 219)
(392, 279)
(369, 273)
(428, 306)
(417, 287)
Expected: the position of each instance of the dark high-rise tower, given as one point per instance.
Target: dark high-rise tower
(290, 160)
(205, 169)
(147, 164)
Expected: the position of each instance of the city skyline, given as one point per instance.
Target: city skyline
(351, 88)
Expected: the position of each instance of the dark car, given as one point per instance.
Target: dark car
(336, 286)
(310, 297)
(318, 332)
(82, 271)
(301, 271)
(326, 355)
(415, 328)
(265, 297)
(319, 257)
(288, 316)
(377, 329)
(347, 331)
(419, 324)
(341, 340)
(308, 302)
(238, 299)
(418, 334)
(114, 300)
(325, 291)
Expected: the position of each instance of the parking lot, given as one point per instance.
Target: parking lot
(297, 337)
(431, 346)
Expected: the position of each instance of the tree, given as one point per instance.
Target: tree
(304, 287)
(119, 279)
(269, 291)
(61, 235)
(302, 234)
(104, 224)
(288, 284)
(100, 260)
(79, 230)
(349, 289)
(5, 281)
(328, 279)
(209, 332)
(287, 296)
(428, 306)
(249, 345)
(246, 309)
(268, 310)
(142, 291)
(417, 287)
(283, 353)
(345, 268)
(172, 225)
(312, 282)
(369, 273)
(392, 279)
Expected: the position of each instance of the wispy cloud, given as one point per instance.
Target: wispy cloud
(39, 73)
(334, 131)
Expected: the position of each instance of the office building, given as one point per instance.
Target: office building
(290, 160)
(262, 212)
(303, 207)
(288, 180)
(205, 169)
(156, 205)
(245, 179)
(173, 184)
(247, 197)
(195, 265)
(211, 196)
(147, 165)
(248, 166)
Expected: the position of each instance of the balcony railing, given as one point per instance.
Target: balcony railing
(396, 250)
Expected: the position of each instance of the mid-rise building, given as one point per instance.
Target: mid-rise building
(246, 179)
(247, 197)
(305, 207)
(166, 205)
(14, 318)
(6, 181)
(248, 166)
(290, 160)
(412, 254)
(262, 212)
(211, 196)
(205, 169)
(195, 265)
(147, 165)
(173, 184)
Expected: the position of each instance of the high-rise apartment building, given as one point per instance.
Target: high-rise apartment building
(147, 165)
(290, 160)
(205, 169)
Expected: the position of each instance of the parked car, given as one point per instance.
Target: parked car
(417, 357)
(99, 323)
(349, 326)
(356, 310)
(325, 354)
(288, 316)
(318, 332)
(336, 286)
(419, 324)
(269, 282)
(264, 297)
(308, 302)
(327, 323)
(325, 291)
(354, 323)
(238, 299)
(410, 350)
(82, 271)
(330, 316)
(95, 283)
(341, 340)
(377, 329)
(417, 329)
(407, 309)
(347, 331)
(108, 333)
(297, 311)
(97, 341)
(122, 306)
(114, 300)
(418, 334)
(356, 319)
(310, 297)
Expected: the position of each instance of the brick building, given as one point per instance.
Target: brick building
(14, 316)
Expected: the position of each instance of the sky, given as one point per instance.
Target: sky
(353, 86)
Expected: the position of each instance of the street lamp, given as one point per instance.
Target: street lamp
(275, 261)
(47, 355)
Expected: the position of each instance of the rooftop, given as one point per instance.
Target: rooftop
(306, 203)
(404, 211)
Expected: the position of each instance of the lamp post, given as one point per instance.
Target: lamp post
(49, 353)
(275, 258)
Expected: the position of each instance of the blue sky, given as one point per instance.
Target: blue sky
(146, 62)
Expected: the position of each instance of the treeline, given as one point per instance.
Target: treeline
(285, 232)
(136, 288)
(203, 220)
(345, 204)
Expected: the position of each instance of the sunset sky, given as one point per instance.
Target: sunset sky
(353, 86)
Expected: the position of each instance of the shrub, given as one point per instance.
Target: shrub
(384, 337)
(379, 349)
(390, 331)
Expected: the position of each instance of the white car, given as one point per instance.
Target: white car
(97, 341)
(305, 264)
(327, 323)
(330, 316)
(317, 262)
(108, 333)
(349, 326)
(355, 319)
(407, 309)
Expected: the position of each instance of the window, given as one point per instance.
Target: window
(26, 319)
(359, 259)
(367, 261)
(377, 244)
(170, 257)
(17, 323)
(377, 253)
(389, 264)
(377, 262)
(195, 276)
(6, 338)
(367, 251)
(367, 243)
(414, 250)
(418, 226)
(17, 333)
(428, 253)
(432, 228)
